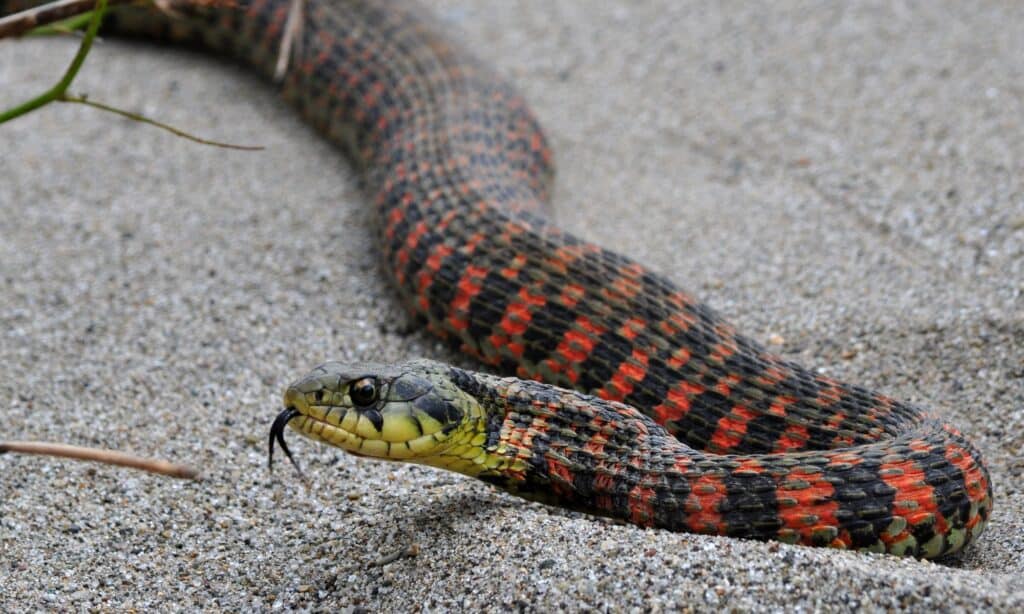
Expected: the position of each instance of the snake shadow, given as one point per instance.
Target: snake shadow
(456, 507)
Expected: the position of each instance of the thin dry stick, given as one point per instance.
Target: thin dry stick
(109, 457)
(153, 122)
(21, 22)
(292, 34)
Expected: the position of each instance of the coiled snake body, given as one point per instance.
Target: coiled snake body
(692, 426)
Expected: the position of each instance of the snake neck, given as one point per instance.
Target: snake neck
(531, 439)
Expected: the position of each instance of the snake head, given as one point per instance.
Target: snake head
(393, 412)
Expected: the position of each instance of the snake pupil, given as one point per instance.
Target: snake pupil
(363, 392)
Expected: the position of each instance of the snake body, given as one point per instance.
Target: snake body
(653, 409)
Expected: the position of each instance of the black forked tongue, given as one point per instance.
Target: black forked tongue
(277, 433)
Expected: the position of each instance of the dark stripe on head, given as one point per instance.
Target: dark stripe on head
(374, 417)
(437, 408)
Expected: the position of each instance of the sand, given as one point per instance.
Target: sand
(843, 182)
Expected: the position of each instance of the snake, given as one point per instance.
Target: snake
(617, 393)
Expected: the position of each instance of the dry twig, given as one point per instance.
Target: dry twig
(108, 457)
(291, 37)
(21, 22)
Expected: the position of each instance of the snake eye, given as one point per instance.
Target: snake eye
(363, 392)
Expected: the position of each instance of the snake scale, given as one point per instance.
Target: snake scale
(653, 409)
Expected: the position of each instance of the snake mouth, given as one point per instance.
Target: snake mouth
(346, 429)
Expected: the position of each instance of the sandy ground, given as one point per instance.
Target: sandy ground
(846, 182)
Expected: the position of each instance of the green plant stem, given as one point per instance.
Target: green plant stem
(60, 89)
(66, 26)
